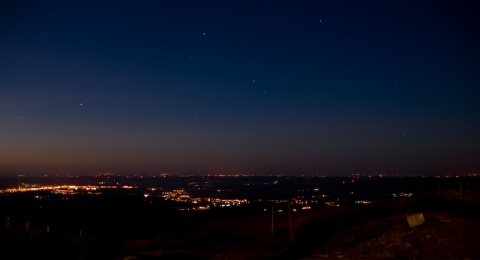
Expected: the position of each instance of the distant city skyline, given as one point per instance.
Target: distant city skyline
(269, 87)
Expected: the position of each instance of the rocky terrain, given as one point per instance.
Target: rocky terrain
(442, 235)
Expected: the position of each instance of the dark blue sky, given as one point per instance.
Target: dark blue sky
(313, 87)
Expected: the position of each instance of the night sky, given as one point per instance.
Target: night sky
(262, 87)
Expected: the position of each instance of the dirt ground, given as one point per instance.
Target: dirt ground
(442, 236)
